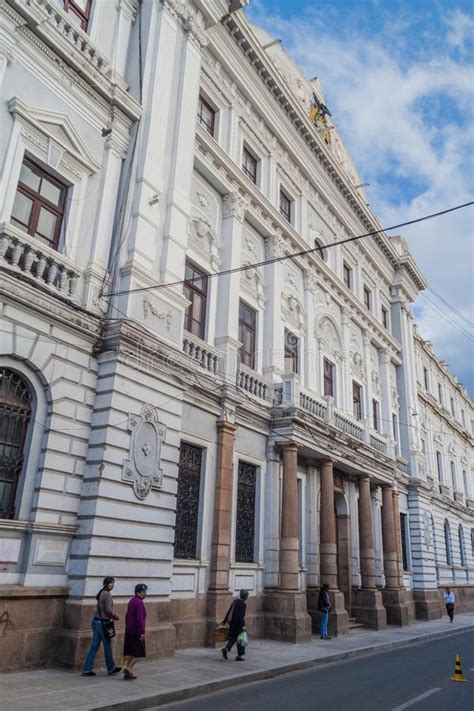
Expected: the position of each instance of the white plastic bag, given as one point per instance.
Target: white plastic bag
(243, 639)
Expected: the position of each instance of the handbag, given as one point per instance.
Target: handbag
(108, 627)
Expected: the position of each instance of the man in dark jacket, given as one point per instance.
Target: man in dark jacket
(235, 618)
(324, 606)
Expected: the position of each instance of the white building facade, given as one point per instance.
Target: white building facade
(270, 428)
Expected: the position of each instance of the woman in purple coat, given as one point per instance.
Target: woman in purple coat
(134, 643)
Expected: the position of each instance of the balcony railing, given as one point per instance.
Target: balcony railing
(350, 427)
(25, 255)
(378, 442)
(253, 383)
(315, 407)
(206, 356)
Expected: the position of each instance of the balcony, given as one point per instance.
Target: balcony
(207, 357)
(26, 256)
(253, 383)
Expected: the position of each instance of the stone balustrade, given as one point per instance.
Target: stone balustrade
(314, 406)
(378, 442)
(207, 357)
(252, 382)
(350, 427)
(22, 254)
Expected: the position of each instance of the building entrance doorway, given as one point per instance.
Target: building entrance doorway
(343, 528)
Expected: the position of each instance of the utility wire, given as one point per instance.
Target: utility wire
(302, 253)
(446, 303)
(427, 302)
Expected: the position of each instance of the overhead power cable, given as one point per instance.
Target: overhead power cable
(450, 306)
(273, 260)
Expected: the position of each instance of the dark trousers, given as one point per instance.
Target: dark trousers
(450, 610)
(231, 641)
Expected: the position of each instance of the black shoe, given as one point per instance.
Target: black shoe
(239, 659)
(91, 673)
(224, 652)
(115, 671)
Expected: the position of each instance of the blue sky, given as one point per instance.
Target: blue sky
(398, 79)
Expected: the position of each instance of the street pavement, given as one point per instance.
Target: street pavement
(194, 672)
(415, 677)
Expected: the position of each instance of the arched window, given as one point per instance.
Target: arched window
(447, 542)
(462, 552)
(15, 412)
(321, 250)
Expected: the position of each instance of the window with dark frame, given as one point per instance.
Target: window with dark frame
(385, 317)
(375, 415)
(367, 298)
(39, 203)
(425, 377)
(440, 393)
(15, 414)
(291, 352)
(249, 165)
(285, 205)
(447, 542)
(462, 552)
(195, 289)
(247, 334)
(439, 466)
(403, 535)
(453, 474)
(187, 501)
(356, 400)
(328, 372)
(206, 115)
(245, 513)
(347, 275)
(79, 11)
(395, 433)
(453, 411)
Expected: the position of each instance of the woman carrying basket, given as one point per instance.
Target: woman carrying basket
(235, 618)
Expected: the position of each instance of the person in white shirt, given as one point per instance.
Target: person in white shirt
(449, 600)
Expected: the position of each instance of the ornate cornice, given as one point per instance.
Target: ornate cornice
(191, 20)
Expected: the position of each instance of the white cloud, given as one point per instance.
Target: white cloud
(407, 119)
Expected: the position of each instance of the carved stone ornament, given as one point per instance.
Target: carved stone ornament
(150, 310)
(142, 469)
(234, 205)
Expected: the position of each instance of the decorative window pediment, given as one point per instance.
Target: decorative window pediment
(55, 136)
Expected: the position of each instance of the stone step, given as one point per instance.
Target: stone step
(354, 625)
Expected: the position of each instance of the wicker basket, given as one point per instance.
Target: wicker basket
(221, 634)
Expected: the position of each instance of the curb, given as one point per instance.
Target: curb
(167, 697)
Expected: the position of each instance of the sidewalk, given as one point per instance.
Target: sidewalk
(193, 672)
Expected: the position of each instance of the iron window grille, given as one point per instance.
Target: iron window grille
(39, 203)
(245, 517)
(247, 334)
(15, 413)
(195, 290)
(206, 116)
(187, 501)
(403, 534)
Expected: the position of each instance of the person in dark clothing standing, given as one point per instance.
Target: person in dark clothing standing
(324, 606)
(235, 618)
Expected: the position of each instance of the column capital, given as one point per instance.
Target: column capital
(234, 205)
(288, 445)
(226, 426)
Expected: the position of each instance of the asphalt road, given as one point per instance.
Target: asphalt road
(415, 677)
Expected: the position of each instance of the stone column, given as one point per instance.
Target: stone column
(367, 601)
(339, 619)
(286, 615)
(289, 567)
(394, 599)
(219, 595)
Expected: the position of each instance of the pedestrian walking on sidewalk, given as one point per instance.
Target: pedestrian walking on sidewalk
(134, 642)
(235, 618)
(324, 606)
(449, 601)
(103, 629)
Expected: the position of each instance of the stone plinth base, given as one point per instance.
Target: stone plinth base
(428, 604)
(368, 609)
(286, 617)
(339, 617)
(397, 606)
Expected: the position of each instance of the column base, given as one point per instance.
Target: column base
(368, 609)
(286, 617)
(397, 606)
(428, 604)
(339, 617)
(218, 602)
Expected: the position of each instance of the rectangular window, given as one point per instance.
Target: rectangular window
(328, 369)
(79, 11)
(285, 205)
(247, 334)
(187, 501)
(463, 418)
(423, 446)
(39, 203)
(291, 352)
(440, 393)
(466, 483)
(206, 116)
(195, 289)
(453, 411)
(356, 400)
(453, 475)
(375, 415)
(385, 317)
(403, 535)
(249, 165)
(347, 275)
(245, 523)
(425, 376)
(367, 298)
(439, 467)
(395, 433)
